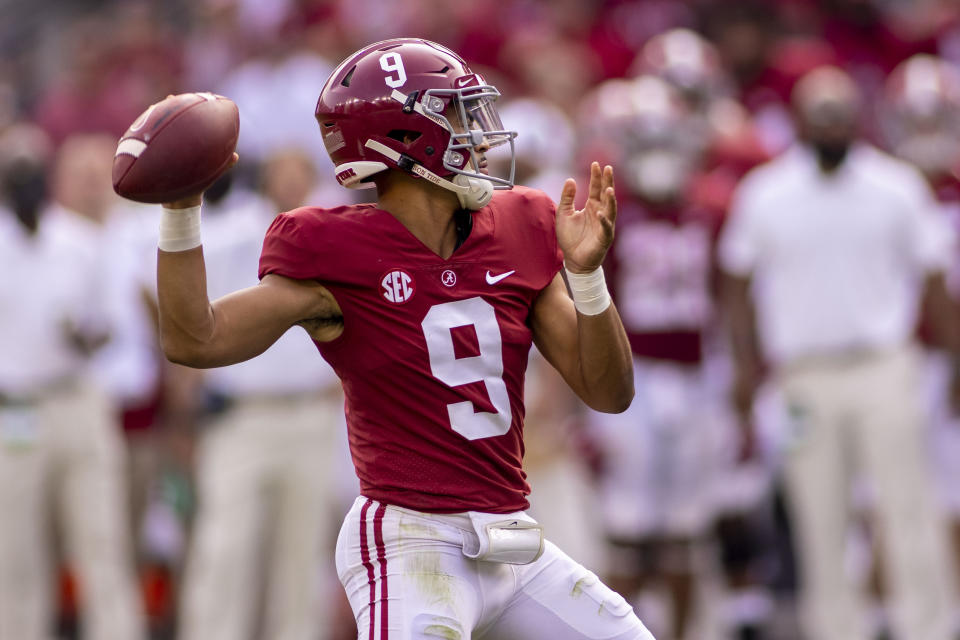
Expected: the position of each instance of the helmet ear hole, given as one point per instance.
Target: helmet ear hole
(404, 135)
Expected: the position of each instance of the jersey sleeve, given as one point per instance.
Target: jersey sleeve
(931, 239)
(291, 249)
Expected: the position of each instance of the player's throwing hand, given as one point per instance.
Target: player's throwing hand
(585, 235)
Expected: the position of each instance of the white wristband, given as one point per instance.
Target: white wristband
(179, 229)
(590, 295)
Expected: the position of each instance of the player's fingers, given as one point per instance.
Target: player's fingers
(567, 195)
(609, 202)
(234, 160)
(608, 177)
(595, 179)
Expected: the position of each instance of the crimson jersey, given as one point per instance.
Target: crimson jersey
(660, 272)
(433, 352)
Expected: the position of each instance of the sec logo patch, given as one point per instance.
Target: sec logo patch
(397, 286)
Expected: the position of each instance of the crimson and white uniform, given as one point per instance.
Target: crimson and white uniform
(657, 456)
(432, 360)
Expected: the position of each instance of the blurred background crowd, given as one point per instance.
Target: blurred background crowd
(789, 468)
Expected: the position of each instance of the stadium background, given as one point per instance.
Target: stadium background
(70, 68)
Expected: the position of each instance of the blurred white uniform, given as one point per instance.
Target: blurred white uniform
(128, 366)
(60, 447)
(838, 263)
(269, 124)
(264, 469)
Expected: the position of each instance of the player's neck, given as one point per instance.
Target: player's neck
(424, 209)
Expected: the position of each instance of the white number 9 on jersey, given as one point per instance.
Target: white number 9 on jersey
(487, 367)
(393, 63)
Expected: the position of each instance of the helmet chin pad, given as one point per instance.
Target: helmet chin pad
(475, 193)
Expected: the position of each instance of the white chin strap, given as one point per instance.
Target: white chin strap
(473, 193)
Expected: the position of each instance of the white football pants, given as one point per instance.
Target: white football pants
(864, 414)
(264, 500)
(407, 578)
(63, 458)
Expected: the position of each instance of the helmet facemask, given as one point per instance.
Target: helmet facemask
(475, 128)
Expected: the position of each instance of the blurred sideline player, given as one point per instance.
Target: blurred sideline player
(427, 312)
(658, 459)
(728, 136)
(264, 469)
(921, 122)
(61, 453)
(729, 146)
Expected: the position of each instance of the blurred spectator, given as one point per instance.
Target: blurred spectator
(276, 94)
(532, 58)
(61, 453)
(267, 453)
(105, 81)
(838, 240)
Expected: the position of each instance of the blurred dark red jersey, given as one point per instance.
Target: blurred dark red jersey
(660, 271)
(433, 352)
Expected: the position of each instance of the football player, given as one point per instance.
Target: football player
(426, 304)
(921, 125)
(657, 460)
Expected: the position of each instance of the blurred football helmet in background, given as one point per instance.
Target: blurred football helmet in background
(920, 117)
(413, 105)
(686, 60)
(644, 126)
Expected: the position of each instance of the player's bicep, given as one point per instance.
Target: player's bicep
(248, 321)
(555, 332)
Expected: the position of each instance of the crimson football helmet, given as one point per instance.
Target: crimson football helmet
(413, 105)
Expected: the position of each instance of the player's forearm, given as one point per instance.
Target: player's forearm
(185, 317)
(605, 363)
(741, 321)
(941, 310)
(590, 350)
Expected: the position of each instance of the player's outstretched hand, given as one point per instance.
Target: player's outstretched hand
(197, 198)
(585, 235)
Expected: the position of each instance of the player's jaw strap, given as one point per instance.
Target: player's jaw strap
(473, 193)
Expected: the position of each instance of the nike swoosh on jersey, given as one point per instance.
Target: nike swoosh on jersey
(495, 279)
